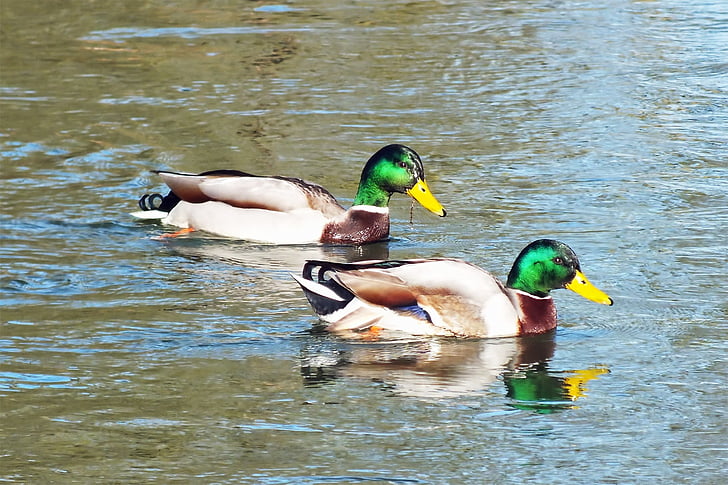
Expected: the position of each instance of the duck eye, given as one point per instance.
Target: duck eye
(402, 164)
(558, 260)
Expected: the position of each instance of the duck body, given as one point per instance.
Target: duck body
(277, 210)
(287, 210)
(438, 297)
(442, 297)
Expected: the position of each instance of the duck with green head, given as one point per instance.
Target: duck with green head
(446, 297)
(287, 210)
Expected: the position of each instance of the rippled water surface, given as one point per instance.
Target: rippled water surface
(128, 359)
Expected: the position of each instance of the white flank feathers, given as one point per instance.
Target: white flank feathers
(152, 214)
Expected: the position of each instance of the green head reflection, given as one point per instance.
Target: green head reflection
(537, 389)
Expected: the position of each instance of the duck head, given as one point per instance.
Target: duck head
(395, 168)
(546, 265)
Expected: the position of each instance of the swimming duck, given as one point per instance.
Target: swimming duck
(286, 210)
(446, 297)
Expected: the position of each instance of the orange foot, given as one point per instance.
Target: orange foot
(371, 333)
(168, 235)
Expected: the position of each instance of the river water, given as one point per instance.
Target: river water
(128, 359)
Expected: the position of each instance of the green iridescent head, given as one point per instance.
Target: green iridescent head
(546, 265)
(395, 168)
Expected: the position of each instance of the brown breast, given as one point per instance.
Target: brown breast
(536, 315)
(357, 226)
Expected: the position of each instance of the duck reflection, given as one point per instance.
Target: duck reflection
(267, 256)
(538, 389)
(449, 368)
(253, 278)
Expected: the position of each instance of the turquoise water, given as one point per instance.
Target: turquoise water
(123, 358)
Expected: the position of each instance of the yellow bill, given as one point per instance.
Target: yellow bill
(421, 193)
(582, 286)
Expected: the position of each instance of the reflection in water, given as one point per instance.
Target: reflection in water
(448, 368)
(538, 389)
(247, 278)
(273, 257)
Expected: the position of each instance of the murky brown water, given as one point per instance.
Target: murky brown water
(128, 359)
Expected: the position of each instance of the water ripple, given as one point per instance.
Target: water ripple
(124, 33)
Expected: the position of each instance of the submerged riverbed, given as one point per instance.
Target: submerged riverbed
(125, 358)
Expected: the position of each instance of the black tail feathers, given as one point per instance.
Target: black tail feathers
(150, 202)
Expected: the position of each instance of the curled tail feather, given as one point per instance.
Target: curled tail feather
(157, 202)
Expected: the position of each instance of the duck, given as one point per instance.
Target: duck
(445, 297)
(288, 210)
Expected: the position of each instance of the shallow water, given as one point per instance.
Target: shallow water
(123, 358)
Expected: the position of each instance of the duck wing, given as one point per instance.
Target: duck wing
(246, 191)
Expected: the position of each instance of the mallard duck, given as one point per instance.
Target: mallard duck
(286, 210)
(446, 297)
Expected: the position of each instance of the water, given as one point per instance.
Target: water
(127, 359)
